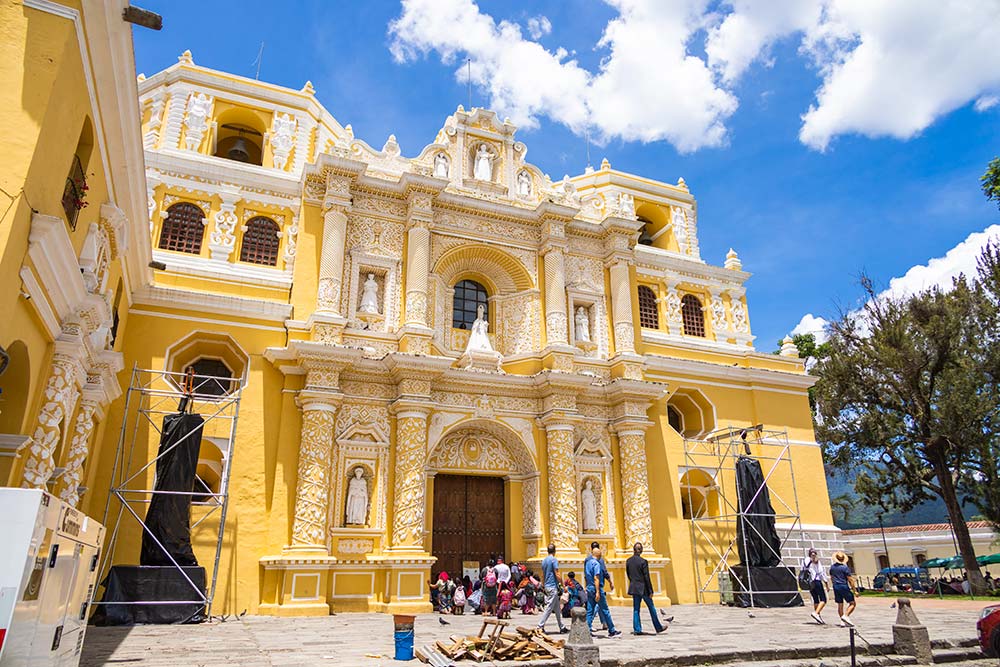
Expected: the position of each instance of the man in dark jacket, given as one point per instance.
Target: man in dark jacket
(640, 587)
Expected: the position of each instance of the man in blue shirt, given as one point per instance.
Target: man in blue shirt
(843, 588)
(596, 574)
(551, 584)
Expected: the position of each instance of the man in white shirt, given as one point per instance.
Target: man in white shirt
(503, 571)
(819, 584)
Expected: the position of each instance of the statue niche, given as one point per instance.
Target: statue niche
(357, 503)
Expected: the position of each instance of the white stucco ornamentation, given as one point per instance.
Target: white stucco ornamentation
(408, 504)
(72, 476)
(199, 109)
(282, 138)
(61, 394)
(223, 237)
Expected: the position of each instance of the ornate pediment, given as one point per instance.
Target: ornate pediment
(595, 450)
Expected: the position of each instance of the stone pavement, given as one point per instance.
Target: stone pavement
(699, 634)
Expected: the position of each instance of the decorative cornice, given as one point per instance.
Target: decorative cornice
(215, 304)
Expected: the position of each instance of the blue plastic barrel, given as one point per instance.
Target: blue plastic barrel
(404, 644)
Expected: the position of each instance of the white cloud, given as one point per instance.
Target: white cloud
(648, 88)
(937, 272)
(539, 26)
(986, 102)
(940, 271)
(887, 68)
(811, 324)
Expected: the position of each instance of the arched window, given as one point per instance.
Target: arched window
(260, 242)
(648, 317)
(468, 296)
(182, 229)
(693, 316)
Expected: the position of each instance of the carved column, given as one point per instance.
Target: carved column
(418, 254)
(529, 506)
(222, 240)
(410, 484)
(621, 307)
(312, 492)
(555, 297)
(61, 393)
(635, 487)
(562, 491)
(331, 261)
(68, 487)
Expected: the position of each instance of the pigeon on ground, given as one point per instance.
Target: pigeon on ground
(750, 614)
(243, 613)
(892, 606)
(442, 621)
(668, 619)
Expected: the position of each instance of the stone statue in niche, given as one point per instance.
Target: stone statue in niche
(582, 325)
(440, 166)
(524, 184)
(369, 296)
(588, 500)
(483, 168)
(479, 340)
(357, 499)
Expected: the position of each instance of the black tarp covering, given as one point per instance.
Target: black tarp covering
(756, 536)
(127, 584)
(779, 583)
(169, 515)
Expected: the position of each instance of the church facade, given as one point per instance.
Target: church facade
(440, 357)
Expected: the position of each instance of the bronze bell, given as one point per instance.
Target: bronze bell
(239, 151)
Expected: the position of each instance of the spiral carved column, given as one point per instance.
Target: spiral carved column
(621, 308)
(331, 262)
(555, 297)
(418, 247)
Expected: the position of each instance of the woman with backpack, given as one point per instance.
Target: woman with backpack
(490, 589)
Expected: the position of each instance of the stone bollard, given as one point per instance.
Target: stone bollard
(908, 636)
(580, 649)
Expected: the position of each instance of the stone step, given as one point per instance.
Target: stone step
(957, 655)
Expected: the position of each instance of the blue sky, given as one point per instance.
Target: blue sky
(805, 221)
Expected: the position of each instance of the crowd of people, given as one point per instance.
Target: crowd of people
(500, 589)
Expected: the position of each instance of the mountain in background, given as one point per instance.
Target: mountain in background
(863, 515)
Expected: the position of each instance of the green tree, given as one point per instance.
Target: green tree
(991, 181)
(905, 399)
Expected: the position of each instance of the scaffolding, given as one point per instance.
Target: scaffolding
(714, 535)
(152, 395)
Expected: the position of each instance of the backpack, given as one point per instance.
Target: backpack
(459, 598)
(491, 577)
(805, 579)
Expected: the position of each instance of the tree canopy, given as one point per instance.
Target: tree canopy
(991, 181)
(908, 398)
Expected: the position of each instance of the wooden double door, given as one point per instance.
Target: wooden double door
(469, 521)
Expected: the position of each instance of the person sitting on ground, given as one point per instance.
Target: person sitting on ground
(475, 600)
(446, 589)
(843, 588)
(506, 600)
(818, 586)
(458, 601)
(573, 595)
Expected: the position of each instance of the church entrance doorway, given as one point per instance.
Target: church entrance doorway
(469, 521)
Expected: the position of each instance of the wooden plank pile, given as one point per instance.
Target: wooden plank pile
(522, 645)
